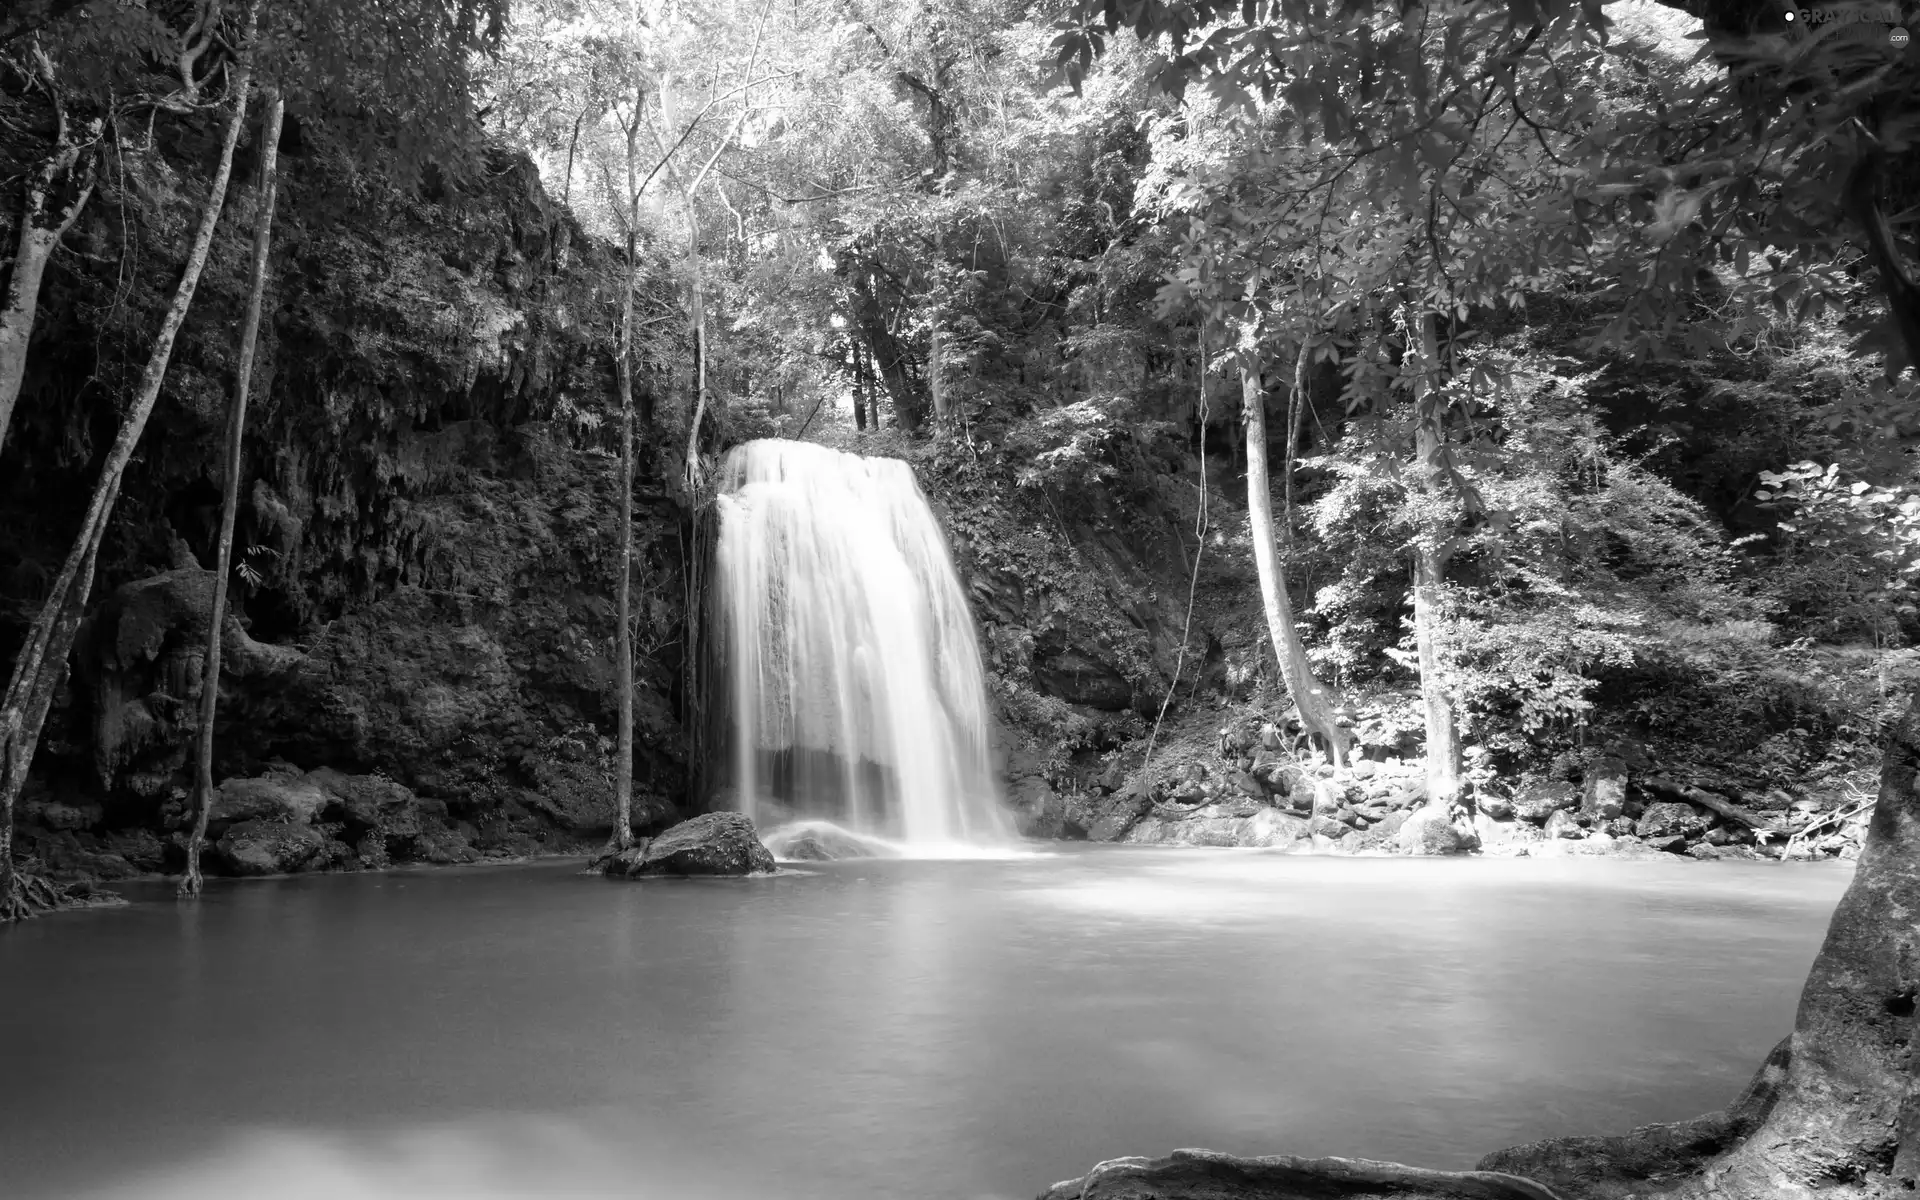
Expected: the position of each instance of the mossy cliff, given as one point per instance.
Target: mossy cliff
(426, 531)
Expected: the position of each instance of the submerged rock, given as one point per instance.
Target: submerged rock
(1205, 1173)
(817, 843)
(720, 843)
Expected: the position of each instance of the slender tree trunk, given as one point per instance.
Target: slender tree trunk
(859, 388)
(936, 370)
(697, 318)
(191, 882)
(43, 659)
(621, 837)
(1313, 698)
(1429, 570)
(40, 232)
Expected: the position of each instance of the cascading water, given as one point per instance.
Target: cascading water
(847, 657)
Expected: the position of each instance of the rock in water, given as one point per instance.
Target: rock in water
(1431, 831)
(1193, 1174)
(1670, 818)
(817, 843)
(719, 843)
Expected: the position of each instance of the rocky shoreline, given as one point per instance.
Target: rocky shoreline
(289, 821)
(1249, 791)
(1617, 804)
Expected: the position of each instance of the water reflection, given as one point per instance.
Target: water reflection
(878, 1028)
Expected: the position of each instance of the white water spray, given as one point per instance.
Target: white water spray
(852, 671)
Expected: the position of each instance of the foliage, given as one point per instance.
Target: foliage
(1849, 550)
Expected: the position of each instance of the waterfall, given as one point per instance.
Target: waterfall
(851, 676)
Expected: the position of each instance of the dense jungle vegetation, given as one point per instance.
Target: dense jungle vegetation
(1487, 384)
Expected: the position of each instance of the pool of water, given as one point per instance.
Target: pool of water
(878, 1029)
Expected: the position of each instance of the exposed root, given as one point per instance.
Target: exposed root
(25, 895)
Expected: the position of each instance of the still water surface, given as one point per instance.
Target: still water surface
(950, 1030)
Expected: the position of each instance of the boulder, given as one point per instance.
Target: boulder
(1562, 825)
(1328, 799)
(1205, 1173)
(1389, 825)
(69, 817)
(1538, 801)
(1328, 826)
(1711, 853)
(1669, 818)
(260, 847)
(1247, 784)
(365, 801)
(1431, 831)
(139, 847)
(1116, 814)
(1364, 769)
(1603, 792)
(719, 843)
(1496, 832)
(1038, 810)
(284, 798)
(817, 843)
(440, 844)
(1500, 808)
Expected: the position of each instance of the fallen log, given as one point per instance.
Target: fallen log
(1714, 801)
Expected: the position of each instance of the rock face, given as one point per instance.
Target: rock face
(721, 843)
(1206, 1175)
(422, 530)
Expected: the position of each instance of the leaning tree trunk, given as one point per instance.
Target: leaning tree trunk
(42, 225)
(43, 659)
(190, 883)
(1429, 572)
(1313, 698)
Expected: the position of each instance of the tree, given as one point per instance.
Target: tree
(1313, 698)
(202, 802)
(410, 59)
(57, 189)
(43, 660)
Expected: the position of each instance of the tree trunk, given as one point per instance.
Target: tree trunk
(1429, 570)
(1834, 1111)
(1313, 698)
(859, 387)
(621, 837)
(43, 659)
(40, 232)
(936, 388)
(191, 882)
(697, 317)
